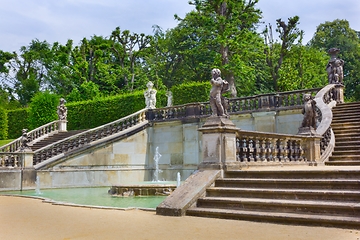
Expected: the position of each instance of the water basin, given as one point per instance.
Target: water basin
(92, 197)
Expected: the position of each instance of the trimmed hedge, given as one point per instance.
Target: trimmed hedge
(17, 120)
(191, 92)
(94, 113)
(3, 124)
(42, 109)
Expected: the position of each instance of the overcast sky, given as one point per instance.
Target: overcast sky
(58, 20)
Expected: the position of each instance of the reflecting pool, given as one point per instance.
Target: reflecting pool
(92, 197)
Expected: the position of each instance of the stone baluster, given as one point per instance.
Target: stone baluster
(256, 149)
(281, 150)
(274, 150)
(245, 150)
(251, 150)
(269, 154)
(263, 149)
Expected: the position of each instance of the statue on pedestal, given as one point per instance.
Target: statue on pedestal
(150, 96)
(219, 86)
(334, 67)
(169, 98)
(62, 110)
(308, 124)
(24, 141)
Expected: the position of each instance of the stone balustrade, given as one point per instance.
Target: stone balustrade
(10, 159)
(259, 148)
(33, 135)
(272, 101)
(85, 138)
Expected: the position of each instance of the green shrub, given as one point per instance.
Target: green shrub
(3, 124)
(94, 113)
(43, 108)
(191, 92)
(18, 119)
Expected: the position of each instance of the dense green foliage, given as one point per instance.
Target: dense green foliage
(191, 92)
(339, 34)
(3, 124)
(93, 113)
(43, 109)
(17, 120)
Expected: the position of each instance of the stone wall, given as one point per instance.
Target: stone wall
(131, 160)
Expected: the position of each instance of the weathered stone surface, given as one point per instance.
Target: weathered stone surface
(186, 195)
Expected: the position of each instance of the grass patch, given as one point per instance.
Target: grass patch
(3, 142)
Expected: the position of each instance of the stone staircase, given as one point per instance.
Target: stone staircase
(54, 138)
(346, 127)
(324, 197)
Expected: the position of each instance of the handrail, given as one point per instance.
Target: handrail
(37, 133)
(85, 138)
(325, 100)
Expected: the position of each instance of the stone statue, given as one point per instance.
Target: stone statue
(150, 96)
(219, 86)
(334, 67)
(62, 110)
(309, 112)
(169, 98)
(24, 141)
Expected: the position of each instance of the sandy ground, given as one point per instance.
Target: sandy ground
(26, 218)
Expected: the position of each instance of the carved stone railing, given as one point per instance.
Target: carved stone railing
(33, 135)
(260, 148)
(10, 160)
(325, 101)
(86, 138)
(264, 102)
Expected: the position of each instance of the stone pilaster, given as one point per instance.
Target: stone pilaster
(219, 144)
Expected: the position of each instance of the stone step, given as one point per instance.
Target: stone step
(347, 147)
(347, 131)
(353, 120)
(309, 173)
(348, 143)
(332, 162)
(336, 126)
(336, 157)
(346, 153)
(289, 183)
(273, 193)
(344, 115)
(54, 138)
(274, 217)
(282, 205)
(347, 135)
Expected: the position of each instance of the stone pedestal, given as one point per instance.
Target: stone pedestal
(219, 144)
(307, 131)
(312, 145)
(339, 93)
(27, 158)
(62, 126)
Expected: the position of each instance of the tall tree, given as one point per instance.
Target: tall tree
(128, 49)
(339, 34)
(232, 24)
(275, 52)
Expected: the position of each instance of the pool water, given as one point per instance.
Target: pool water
(92, 197)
